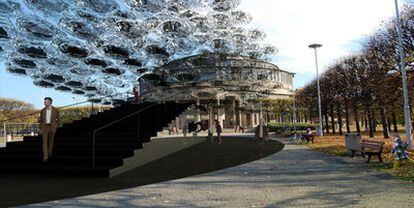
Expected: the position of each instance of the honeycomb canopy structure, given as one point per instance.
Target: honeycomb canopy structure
(101, 47)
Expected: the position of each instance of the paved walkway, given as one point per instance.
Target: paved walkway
(294, 177)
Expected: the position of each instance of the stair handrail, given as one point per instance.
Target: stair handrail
(116, 121)
(65, 106)
(110, 124)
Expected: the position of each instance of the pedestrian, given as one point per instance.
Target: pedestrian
(49, 120)
(175, 130)
(241, 129)
(170, 130)
(218, 130)
(232, 123)
(185, 129)
(261, 131)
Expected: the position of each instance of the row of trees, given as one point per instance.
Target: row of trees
(11, 108)
(365, 88)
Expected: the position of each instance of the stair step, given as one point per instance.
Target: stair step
(81, 151)
(80, 144)
(73, 142)
(67, 160)
(56, 169)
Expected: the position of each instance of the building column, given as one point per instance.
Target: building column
(221, 115)
(234, 114)
(197, 116)
(261, 111)
(177, 124)
(252, 120)
(240, 122)
(219, 112)
(210, 118)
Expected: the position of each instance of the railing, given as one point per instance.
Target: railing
(10, 131)
(112, 123)
(117, 121)
(16, 131)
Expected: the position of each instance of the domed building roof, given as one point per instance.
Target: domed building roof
(214, 75)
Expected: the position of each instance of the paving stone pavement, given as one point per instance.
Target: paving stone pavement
(293, 177)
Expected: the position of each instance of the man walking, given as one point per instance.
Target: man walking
(49, 119)
(218, 130)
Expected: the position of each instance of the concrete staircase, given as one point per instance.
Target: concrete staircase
(114, 147)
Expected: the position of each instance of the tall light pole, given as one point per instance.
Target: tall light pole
(404, 78)
(315, 47)
(294, 104)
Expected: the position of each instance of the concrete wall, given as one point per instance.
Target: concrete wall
(154, 150)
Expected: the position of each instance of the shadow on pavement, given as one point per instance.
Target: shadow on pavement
(202, 158)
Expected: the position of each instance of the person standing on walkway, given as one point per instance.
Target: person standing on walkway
(218, 130)
(49, 120)
(185, 129)
(261, 131)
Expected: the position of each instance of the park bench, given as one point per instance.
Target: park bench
(370, 147)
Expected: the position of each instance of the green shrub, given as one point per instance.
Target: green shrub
(288, 128)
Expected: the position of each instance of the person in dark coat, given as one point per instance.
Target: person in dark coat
(218, 130)
(192, 127)
(261, 131)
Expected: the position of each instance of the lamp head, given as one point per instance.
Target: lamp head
(315, 46)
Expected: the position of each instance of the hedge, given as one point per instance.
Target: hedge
(287, 128)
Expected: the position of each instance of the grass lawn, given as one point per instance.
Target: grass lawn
(335, 145)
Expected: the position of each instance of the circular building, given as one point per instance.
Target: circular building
(229, 84)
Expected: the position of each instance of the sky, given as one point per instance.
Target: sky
(291, 25)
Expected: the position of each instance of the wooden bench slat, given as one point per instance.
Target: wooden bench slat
(370, 141)
(371, 146)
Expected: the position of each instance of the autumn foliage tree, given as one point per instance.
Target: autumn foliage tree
(365, 88)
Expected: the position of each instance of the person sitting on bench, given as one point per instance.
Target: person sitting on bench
(308, 136)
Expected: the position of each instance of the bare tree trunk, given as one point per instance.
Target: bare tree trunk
(326, 122)
(374, 120)
(348, 128)
(370, 122)
(356, 115)
(267, 116)
(384, 122)
(366, 123)
(389, 124)
(340, 119)
(332, 120)
(394, 121)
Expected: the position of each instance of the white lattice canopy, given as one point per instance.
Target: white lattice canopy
(100, 47)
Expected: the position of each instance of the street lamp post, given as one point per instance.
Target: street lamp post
(294, 105)
(404, 78)
(315, 46)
